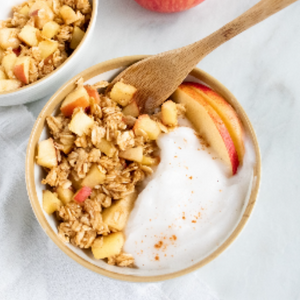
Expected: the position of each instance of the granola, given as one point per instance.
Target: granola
(38, 38)
(98, 154)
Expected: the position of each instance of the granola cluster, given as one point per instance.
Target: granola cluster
(104, 152)
(38, 38)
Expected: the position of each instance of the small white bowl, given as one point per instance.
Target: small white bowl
(34, 174)
(51, 82)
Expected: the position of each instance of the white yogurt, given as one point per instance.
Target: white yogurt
(188, 207)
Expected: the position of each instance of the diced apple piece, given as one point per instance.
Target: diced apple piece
(8, 63)
(81, 123)
(111, 245)
(24, 11)
(7, 85)
(41, 13)
(77, 98)
(106, 147)
(65, 195)
(150, 161)
(227, 114)
(50, 29)
(208, 124)
(134, 154)
(21, 69)
(117, 214)
(145, 125)
(47, 156)
(122, 93)
(94, 177)
(9, 38)
(82, 194)
(2, 75)
(28, 35)
(92, 92)
(131, 109)
(68, 14)
(50, 202)
(169, 113)
(77, 36)
(47, 48)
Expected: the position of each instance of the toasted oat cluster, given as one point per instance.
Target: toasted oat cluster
(100, 150)
(38, 38)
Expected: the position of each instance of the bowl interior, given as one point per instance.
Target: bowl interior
(34, 174)
(6, 97)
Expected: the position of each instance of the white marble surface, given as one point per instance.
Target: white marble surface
(261, 68)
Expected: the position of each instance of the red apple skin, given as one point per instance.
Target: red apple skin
(20, 73)
(233, 122)
(168, 6)
(227, 140)
(34, 13)
(68, 109)
(17, 51)
(82, 194)
(93, 93)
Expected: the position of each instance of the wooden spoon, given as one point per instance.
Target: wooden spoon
(157, 77)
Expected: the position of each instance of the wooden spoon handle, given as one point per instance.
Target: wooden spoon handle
(259, 12)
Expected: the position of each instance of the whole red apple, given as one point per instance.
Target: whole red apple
(168, 6)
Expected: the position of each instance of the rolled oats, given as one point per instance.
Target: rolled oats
(80, 221)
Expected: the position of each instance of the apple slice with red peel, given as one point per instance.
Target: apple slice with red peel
(227, 114)
(94, 177)
(169, 113)
(133, 154)
(7, 85)
(21, 69)
(41, 13)
(145, 126)
(92, 92)
(47, 156)
(81, 195)
(77, 98)
(131, 109)
(208, 124)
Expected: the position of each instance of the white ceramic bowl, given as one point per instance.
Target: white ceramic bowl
(51, 82)
(34, 174)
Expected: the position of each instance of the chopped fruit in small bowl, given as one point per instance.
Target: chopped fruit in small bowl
(133, 189)
(41, 45)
